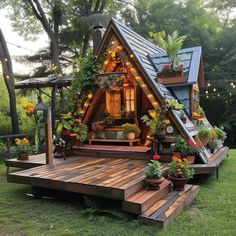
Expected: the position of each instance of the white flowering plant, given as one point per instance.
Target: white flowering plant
(58, 141)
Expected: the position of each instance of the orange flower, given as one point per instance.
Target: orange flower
(179, 160)
(179, 172)
(174, 158)
(185, 160)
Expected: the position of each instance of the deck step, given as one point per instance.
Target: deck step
(117, 152)
(139, 202)
(163, 212)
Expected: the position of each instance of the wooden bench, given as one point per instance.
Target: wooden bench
(137, 140)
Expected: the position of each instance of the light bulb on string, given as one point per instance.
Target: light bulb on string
(207, 96)
(206, 92)
(214, 89)
(230, 94)
(232, 84)
(208, 84)
(218, 95)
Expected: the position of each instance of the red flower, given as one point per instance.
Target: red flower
(166, 66)
(192, 143)
(156, 157)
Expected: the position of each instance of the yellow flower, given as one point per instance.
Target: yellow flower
(18, 141)
(25, 141)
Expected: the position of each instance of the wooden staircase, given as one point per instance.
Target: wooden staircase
(159, 207)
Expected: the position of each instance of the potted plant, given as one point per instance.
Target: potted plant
(131, 131)
(191, 150)
(154, 173)
(221, 134)
(174, 104)
(59, 144)
(156, 121)
(22, 148)
(178, 146)
(179, 173)
(171, 72)
(81, 131)
(204, 135)
(65, 126)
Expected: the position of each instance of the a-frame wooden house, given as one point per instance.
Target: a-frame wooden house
(107, 166)
(135, 62)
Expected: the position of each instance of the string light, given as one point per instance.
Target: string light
(90, 95)
(155, 103)
(5, 59)
(7, 76)
(127, 63)
(131, 55)
(232, 84)
(86, 104)
(143, 85)
(207, 96)
(119, 47)
(208, 84)
(112, 42)
(218, 95)
(106, 62)
(206, 92)
(214, 89)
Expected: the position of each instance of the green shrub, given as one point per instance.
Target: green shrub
(203, 133)
(5, 124)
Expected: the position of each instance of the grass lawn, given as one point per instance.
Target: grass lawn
(212, 213)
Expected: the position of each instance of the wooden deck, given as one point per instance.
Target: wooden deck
(97, 151)
(105, 177)
(121, 179)
(213, 163)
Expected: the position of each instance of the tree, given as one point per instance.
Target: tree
(9, 81)
(30, 16)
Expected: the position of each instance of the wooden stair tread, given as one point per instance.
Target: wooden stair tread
(163, 212)
(144, 199)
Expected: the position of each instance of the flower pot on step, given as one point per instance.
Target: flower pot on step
(153, 183)
(22, 156)
(178, 183)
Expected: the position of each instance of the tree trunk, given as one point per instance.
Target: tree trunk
(9, 81)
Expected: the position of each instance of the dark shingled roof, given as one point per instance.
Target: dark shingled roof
(190, 58)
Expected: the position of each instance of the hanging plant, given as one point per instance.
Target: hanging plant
(109, 81)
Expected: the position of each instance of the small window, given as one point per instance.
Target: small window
(129, 99)
(113, 103)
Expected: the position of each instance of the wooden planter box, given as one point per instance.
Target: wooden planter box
(171, 78)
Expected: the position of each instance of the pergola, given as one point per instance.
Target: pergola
(55, 83)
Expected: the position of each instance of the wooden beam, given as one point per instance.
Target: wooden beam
(48, 137)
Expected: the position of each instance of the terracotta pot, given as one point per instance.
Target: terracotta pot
(204, 140)
(153, 183)
(59, 152)
(131, 136)
(190, 158)
(22, 156)
(178, 183)
(177, 154)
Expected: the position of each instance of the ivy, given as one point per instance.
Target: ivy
(83, 80)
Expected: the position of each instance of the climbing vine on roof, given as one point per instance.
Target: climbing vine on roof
(83, 82)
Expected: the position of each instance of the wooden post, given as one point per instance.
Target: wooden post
(53, 106)
(48, 137)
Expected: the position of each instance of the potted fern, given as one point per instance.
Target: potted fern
(171, 72)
